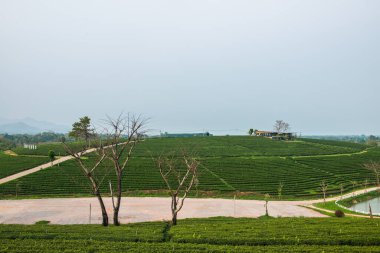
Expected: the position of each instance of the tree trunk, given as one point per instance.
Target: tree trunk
(103, 208)
(116, 216)
(118, 201)
(174, 210)
(174, 219)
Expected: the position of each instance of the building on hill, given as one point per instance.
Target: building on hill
(274, 135)
(179, 135)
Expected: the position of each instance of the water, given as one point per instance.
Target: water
(363, 206)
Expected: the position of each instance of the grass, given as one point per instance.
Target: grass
(330, 205)
(247, 167)
(359, 198)
(199, 235)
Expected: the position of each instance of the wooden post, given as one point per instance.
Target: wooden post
(89, 219)
(234, 205)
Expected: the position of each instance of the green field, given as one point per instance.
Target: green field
(229, 146)
(44, 148)
(246, 166)
(199, 235)
(13, 164)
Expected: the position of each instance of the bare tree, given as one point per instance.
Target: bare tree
(341, 190)
(279, 189)
(375, 168)
(122, 135)
(281, 126)
(323, 187)
(266, 198)
(354, 183)
(180, 174)
(89, 171)
(365, 184)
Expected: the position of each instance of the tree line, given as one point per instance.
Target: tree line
(9, 141)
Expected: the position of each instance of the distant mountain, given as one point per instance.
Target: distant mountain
(18, 128)
(46, 126)
(30, 126)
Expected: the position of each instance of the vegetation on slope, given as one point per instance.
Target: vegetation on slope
(13, 164)
(199, 235)
(248, 167)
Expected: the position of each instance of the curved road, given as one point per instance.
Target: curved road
(77, 210)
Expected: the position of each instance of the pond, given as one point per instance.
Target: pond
(363, 206)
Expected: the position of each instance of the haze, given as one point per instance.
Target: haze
(220, 66)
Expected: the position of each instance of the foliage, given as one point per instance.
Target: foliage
(281, 231)
(13, 164)
(82, 129)
(339, 213)
(51, 155)
(199, 235)
(6, 144)
(19, 139)
(246, 166)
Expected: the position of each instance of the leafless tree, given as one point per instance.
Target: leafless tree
(375, 168)
(89, 171)
(323, 187)
(279, 189)
(180, 174)
(341, 190)
(122, 135)
(354, 183)
(365, 184)
(281, 126)
(266, 198)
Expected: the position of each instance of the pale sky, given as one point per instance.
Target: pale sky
(221, 66)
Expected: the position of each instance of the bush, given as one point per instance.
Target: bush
(339, 213)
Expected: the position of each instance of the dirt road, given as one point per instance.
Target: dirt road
(77, 210)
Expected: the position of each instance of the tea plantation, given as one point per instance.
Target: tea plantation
(245, 166)
(13, 164)
(199, 235)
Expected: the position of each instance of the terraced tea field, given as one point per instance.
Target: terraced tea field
(246, 166)
(13, 164)
(199, 235)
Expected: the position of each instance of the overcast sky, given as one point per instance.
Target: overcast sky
(221, 66)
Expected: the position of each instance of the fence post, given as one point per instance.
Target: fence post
(89, 218)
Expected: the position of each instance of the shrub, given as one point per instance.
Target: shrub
(339, 213)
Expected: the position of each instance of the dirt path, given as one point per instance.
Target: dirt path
(347, 214)
(77, 210)
(348, 195)
(40, 167)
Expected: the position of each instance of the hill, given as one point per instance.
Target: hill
(248, 167)
(30, 126)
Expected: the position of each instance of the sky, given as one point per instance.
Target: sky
(189, 66)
